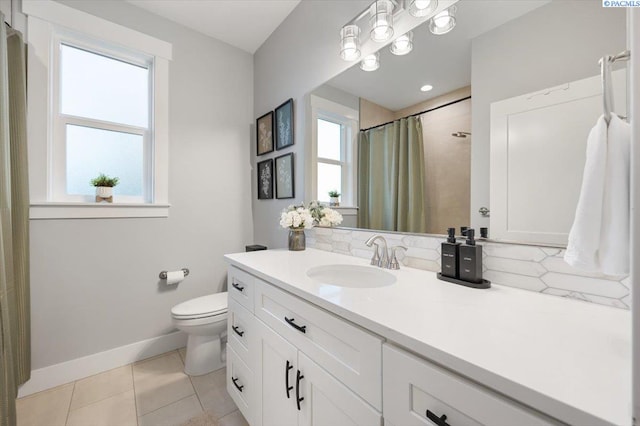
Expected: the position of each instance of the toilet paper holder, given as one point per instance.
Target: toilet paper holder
(163, 274)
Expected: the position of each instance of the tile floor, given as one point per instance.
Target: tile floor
(151, 392)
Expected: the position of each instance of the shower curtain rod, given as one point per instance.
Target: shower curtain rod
(418, 113)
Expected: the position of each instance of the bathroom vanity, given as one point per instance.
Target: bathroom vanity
(403, 348)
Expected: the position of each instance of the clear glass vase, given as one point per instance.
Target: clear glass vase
(297, 239)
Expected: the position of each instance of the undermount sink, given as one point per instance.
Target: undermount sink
(354, 276)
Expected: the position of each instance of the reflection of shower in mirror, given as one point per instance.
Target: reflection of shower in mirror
(461, 134)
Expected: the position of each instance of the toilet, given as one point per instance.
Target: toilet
(204, 319)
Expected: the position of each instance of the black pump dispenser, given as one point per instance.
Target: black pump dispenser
(450, 255)
(471, 259)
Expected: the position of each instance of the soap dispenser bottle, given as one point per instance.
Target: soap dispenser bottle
(450, 255)
(471, 259)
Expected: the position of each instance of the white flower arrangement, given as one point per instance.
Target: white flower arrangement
(324, 216)
(299, 217)
(296, 217)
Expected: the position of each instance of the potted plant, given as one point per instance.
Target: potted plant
(334, 198)
(104, 187)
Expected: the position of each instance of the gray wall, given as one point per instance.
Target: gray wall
(301, 54)
(555, 44)
(95, 282)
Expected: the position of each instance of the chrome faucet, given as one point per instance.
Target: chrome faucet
(377, 259)
(388, 257)
(393, 263)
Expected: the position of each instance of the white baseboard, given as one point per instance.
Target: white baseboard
(79, 368)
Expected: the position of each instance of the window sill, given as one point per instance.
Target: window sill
(346, 210)
(96, 210)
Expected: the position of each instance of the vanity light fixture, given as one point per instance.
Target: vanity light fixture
(426, 88)
(443, 22)
(370, 62)
(420, 8)
(403, 44)
(350, 42)
(381, 20)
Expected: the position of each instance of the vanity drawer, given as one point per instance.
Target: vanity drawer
(239, 381)
(413, 385)
(240, 287)
(349, 353)
(241, 331)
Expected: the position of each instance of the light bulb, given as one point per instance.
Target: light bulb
(381, 20)
(403, 44)
(443, 22)
(350, 42)
(370, 62)
(426, 88)
(420, 8)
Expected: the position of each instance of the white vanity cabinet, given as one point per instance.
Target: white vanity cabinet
(296, 391)
(419, 393)
(292, 363)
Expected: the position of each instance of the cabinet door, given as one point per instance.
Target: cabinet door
(276, 379)
(327, 402)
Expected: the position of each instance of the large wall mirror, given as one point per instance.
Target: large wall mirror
(498, 139)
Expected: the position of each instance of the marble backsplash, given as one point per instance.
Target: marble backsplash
(532, 268)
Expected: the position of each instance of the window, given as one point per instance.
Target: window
(101, 123)
(335, 131)
(98, 103)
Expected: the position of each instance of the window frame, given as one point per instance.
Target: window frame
(61, 120)
(347, 118)
(47, 20)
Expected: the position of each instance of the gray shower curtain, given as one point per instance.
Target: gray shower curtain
(391, 177)
(15, 339)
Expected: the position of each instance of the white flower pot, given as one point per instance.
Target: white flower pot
(334, 201)
(104, 192)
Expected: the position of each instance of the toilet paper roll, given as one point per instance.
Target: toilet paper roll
(175, 277)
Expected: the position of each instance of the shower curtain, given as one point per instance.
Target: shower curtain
(15, 351)
(391, 177)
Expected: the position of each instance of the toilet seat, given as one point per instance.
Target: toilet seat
(201, 307)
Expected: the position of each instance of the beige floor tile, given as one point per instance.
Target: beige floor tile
(45, 408)
(102, 386)
(160, 381)
(173, 414)
(183, 354)
(234, 419)
(117, 410)
(212, 391)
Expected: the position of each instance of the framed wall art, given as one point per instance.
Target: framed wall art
(284, 125)
(284, 176)
(264, 133)
(265, 179)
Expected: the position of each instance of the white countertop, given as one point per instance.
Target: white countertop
(566, 358)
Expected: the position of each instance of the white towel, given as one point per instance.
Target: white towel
(599, 237)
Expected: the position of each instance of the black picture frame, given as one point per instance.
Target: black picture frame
(284, 176)
(264, 134)
(283, 125)
(265, 179)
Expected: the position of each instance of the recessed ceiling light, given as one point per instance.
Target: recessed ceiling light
(426, 87)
